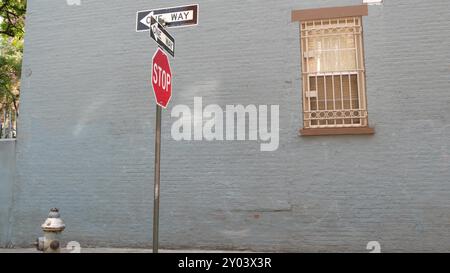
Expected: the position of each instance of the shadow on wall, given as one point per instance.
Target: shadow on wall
(7, 173)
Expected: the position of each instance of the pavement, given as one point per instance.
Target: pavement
(118, 250)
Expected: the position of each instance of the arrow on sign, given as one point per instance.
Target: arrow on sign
(162, 37)
(173, 17)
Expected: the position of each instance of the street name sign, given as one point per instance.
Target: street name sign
(181, 16)
(162, 37)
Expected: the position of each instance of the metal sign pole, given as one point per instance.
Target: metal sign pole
(157, 179)
(157, 174)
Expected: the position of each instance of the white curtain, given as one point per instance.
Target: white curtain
(331, 53)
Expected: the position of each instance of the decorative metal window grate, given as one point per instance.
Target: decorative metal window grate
(8, 124)
(333, 73)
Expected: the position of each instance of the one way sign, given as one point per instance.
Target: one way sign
(162, 37)
(173, 17)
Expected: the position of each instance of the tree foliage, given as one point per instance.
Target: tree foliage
(12, 22)
(10, 72)
(13, 14)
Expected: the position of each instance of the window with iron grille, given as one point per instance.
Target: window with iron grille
(333, 70)
(8, 123)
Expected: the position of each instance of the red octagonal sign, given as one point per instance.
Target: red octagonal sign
(161, 78)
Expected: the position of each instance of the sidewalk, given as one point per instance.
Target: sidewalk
(118, 250)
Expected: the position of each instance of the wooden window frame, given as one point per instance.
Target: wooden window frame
(333, 13)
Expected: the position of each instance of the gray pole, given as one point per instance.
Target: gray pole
(157, 180)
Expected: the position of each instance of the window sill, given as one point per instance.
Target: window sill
(7, 139)
(337, 131)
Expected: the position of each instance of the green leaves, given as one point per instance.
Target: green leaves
(10, 70)
(12, 23)
(13, 14)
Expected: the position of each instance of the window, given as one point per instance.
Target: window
(8, 120)
(333, 71)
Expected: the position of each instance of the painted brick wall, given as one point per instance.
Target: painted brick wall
(7, 173)
(87, 126)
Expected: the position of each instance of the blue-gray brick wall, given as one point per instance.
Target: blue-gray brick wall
(87, 132)
(7, 174)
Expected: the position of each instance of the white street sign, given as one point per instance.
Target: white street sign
(173, 17)
(162, 37)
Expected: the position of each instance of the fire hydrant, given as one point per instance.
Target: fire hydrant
(52, 228)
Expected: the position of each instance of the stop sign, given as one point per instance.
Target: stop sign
(161, 78)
